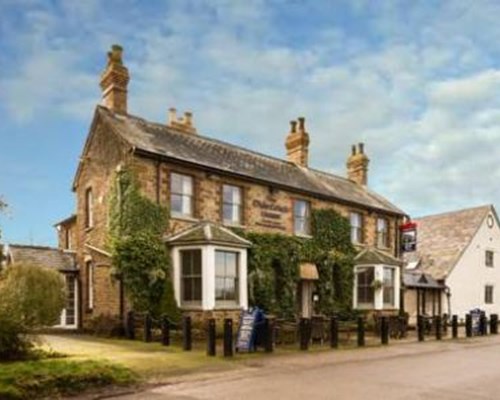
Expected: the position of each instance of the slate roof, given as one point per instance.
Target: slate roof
(442, 238)
(371, 255)
(159, 140)
(41, 256)
(207, 232)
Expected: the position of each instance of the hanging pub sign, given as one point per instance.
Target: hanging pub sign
(408, 236)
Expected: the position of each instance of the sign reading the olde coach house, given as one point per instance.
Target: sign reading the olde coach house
(272, 214)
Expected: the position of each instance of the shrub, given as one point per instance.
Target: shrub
(106, 325)
(30, 298)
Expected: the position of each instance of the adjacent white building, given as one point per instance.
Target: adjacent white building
(461, 251)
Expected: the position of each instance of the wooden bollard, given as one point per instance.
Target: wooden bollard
(148, 325)
(187, 342)
(494, 324)
(211, 337)
(304, 333)
(421, 328)
(334, 332)
(454, 326)
(468, 325)
(437, 323)
(165, 331)
(483, 325)
(130, 325)
(269, 335)
(228, 337)
(384, 330)
(361, 332)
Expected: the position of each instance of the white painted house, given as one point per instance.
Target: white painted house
(461, 251)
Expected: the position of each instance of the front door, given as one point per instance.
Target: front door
(307, 298)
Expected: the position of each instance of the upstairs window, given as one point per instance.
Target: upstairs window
(489, 258)
(356, 227)
(191, 278)
(302, 213)
(181, 195)
(488, 294)
(231, 204)
(382, 233)
(89, 205)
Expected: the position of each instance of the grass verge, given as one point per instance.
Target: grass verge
(52, 378)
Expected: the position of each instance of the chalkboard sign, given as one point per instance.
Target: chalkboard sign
(247, 329)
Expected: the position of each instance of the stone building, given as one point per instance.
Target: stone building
(210, 186)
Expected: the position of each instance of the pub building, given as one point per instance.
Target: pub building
(211, 186)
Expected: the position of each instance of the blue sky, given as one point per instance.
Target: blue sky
(418, 81)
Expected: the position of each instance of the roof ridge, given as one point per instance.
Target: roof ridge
(219, 141)
(445, 213)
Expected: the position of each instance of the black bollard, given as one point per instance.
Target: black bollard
(148, 325)
(437, 323)
(483, 325)
(468, 325)
(384, 330)
(211, 335)
(187, 342)
(361, 332)
(334, 332)
(454, 326)
(269, 335)
(445, 323)
(421, 328)
(130, 325)
(304, 333)
(494, 324)
(165, 331)
(228, 337)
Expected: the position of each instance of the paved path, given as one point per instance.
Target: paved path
(446, 370)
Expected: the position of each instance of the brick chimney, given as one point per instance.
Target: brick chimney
(183, 124)
(297, 143)
(357, 165)
(114, 81)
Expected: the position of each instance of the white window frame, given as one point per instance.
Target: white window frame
(382, 236)
(379, 293)
(208, 277)
(186, 192)
(89, 208)
(486, 263)
(306, 218)
(230, 302)
(235, 204)
(191, 303)
(489, 285)
(356, 230)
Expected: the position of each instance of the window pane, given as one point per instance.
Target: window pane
(186, 205)
(187, 292)
(226, 272)
(231, 264)
(196, 289)
(176, 183)
(301, 216)
(176, 203)
(196, 254)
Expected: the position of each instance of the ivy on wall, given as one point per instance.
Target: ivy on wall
(140, 257)
(274, 259)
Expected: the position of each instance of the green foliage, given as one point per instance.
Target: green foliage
(274, 259)
(139, 254)
(31, 298)
(54, 378)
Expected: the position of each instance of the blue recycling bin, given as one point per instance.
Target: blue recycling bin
(476, 316)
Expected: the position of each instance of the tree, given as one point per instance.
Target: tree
(31, 297)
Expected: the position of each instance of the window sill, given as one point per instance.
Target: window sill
(185, 218)
(191, 307)
(233, 225)
(227, 307)
(303, 235)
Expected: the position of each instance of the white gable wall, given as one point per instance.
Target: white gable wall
(468, 279)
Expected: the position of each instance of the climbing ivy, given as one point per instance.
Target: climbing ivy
(140, 257)
(274, 259)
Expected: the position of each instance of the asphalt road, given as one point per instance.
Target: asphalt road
(438, 370)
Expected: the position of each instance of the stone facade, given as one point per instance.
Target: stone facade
(266, 207)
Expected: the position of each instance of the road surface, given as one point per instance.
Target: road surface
(434, 370)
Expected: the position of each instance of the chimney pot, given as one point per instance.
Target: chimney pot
(361, 147)
(353, 150)
(293, 126)
(302, 124)
(172, 115)
(188, 118)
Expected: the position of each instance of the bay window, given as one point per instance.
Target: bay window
(181, 195)
(191, 282)
(365, 290)
(226, 278)
(376, 287)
